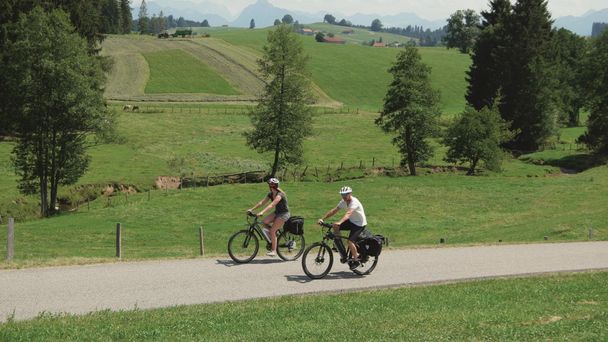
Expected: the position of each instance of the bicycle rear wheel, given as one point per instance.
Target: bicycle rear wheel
(317, 260)
(243, 246)
(290, 246)
(366, 265)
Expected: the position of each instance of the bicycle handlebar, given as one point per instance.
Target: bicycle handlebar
(326, 225)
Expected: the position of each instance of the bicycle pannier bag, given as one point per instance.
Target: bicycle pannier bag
(295, 225)
(371, 246)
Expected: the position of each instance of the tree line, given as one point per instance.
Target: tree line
(426, 37)
(145, 24)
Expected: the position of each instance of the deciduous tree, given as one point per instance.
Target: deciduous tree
(376, 25)
(476, 136)
(56, 88)
(462, 30)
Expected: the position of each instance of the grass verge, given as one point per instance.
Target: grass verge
(559, 307)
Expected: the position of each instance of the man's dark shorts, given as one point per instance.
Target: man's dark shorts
(353, 228)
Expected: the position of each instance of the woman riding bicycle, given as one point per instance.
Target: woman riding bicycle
(281, 214)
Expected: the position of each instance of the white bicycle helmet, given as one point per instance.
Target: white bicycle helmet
(273, 181)
(345, 190)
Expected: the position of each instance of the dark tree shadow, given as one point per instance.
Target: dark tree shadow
(575, 163)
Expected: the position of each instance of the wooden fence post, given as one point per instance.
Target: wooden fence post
(118, 241)
(373, 161)
(10, 239)
(201, 240)
(590, 233)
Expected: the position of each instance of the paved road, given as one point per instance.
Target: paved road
(123, 286)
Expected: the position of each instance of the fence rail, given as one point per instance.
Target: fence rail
(192, 109)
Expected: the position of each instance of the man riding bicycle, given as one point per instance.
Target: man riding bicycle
(354, 220)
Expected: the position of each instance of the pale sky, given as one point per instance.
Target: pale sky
(427, 9)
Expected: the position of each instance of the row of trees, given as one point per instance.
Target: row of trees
(51, 102)
(426, 37)
(145, 24)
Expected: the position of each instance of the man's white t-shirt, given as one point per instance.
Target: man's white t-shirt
(358, 216)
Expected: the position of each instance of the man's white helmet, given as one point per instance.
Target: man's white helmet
(273, 181)
(345, 190)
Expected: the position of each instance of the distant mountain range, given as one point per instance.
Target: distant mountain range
(582, 25)
(265, 13)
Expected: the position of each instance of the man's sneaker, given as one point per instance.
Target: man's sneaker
(353, 264)
(272, 254)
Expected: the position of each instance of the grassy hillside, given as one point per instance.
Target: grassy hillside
(352, 74)
(358, 75)
(409, 210)
(174, 71)
(564, 307)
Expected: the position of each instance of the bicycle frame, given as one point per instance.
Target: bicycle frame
(337, 240)
(255, 226)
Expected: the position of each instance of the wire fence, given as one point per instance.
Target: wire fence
(200, 109)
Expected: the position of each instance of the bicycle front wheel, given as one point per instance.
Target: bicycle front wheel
(317, 260)
(290, 246)
(243, 246)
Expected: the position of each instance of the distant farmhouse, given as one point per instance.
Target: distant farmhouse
(334, 40)
(307, 32)
(348, 31)
(379, 44)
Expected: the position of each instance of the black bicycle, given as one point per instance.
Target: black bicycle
(243, 245)
(318, 258)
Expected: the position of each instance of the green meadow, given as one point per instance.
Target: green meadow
(411, 211)
(174, 71)
(546, 308)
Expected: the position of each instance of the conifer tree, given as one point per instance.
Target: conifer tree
(488, 67)
(126, 16)
(528, 98)
(411, 108)
(596, 88)
(282, 118)
(143, 18)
